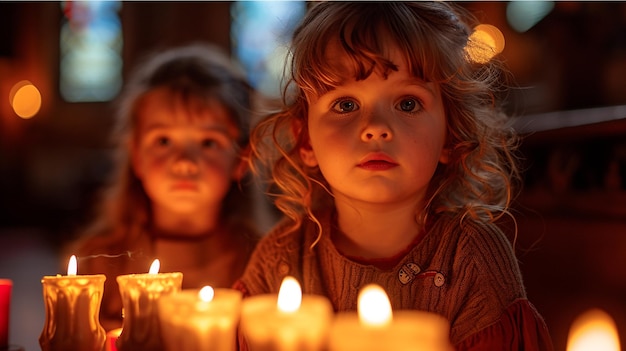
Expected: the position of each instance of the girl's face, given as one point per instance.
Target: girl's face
(377, 140)
(184, 153)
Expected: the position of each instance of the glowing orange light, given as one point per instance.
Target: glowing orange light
(593, 330)
(207, 293)
(25, 99)
(485, 42)
(72, 267)
(289, 295)
(155, 266)
(374, 307)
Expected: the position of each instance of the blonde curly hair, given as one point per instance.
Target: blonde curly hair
(478, 181)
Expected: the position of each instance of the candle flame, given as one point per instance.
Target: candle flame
(593, 330)
(206, 294)
(154, 267)
(374, 306)
(72, 266)
(289, 295)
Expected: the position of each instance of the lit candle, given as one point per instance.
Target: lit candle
(200, 319)
(5, 304)
(375, 327)
(289, 321)
(593, 330)
(112, 336)
(140, 293)
(72, 305)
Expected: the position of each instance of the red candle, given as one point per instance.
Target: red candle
(5, 303)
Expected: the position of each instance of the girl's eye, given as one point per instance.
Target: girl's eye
(344, 106)
(209, 143)
(163, 141)
(409, 105)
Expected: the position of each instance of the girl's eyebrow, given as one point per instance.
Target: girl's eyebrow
(156, 127)
(430, 87)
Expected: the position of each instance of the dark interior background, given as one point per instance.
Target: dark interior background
(569, 102)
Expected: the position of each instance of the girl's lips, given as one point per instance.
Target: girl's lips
(377, 162)
(377, 165)
(184, 185)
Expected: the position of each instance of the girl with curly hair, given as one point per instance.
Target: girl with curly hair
(393, 163)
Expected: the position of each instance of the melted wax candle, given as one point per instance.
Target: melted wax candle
(200, 319)
(140, 294)
(72, 305)
(376, 328)
(287, 322)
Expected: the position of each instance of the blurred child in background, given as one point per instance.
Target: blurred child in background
(180, 192)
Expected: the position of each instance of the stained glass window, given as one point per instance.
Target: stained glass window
(260, 33)
(90, 48)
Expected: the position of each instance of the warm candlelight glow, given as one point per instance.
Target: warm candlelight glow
(485, 42)
(374, 306)
(289, 295)
(72, 266)
(154, 267)
(287, 321)
(199, 320)
(206, 294)
(593, 330)
(25, 99)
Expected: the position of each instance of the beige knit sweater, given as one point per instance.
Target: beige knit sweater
(465, 271)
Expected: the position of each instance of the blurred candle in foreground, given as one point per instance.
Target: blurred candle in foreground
(140, 294)
(112, 336)
(200, 319)
(287, 321)
(5, 304)
(72, 305)
(375, 327)
(593, 330)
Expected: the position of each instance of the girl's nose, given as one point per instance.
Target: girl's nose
(376, 128)
(185, 163)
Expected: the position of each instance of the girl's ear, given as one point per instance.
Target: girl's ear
(134, 159)
(241, 166)
(308, 155)
(444, 157)
(240, 170)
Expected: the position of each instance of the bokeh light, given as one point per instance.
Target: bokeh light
(485, 42)
(25, 99)
(523, 15)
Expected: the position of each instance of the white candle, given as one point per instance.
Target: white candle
(72, 305)
(375, 327)
(140, 293)
(287, 321)
(200, 319)
(593, 330)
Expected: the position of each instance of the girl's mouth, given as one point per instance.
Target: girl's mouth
(377, 165)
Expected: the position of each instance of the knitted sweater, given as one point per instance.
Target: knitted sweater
(463, 270)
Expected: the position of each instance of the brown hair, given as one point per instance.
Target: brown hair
(193, 73)
(434, 37)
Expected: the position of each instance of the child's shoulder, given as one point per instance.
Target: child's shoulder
(475, 235)
(285, 233)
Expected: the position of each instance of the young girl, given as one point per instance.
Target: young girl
(394, 164)
(178, 193)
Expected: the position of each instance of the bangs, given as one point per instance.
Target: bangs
(355, 41)
(192, 102)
